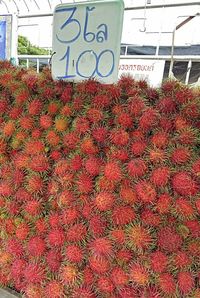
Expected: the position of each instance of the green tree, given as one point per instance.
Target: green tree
(26, 48)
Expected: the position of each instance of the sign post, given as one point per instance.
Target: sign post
(86, 40)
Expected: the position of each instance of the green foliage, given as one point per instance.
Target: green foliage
(26, 48)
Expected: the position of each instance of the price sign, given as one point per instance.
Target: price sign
(86, 40)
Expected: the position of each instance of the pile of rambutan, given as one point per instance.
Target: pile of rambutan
(99, 187)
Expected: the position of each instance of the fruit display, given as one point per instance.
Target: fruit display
(99, 187)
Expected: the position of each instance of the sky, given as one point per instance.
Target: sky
(139, 25)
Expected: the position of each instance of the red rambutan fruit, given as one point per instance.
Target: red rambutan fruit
(74, 253)
(70, 215)
(118, 236)
(149, 119)
(194, 227)
(34, 147)
(22, 231)
(180, 155)
(101, 101)
(167, 105)
(136, 106)
(36, 246)
(61, 124)
(139, 237)
(145, 192)
(164, 203)
(136, 168)
(119, 137)
(17, 268)
(184, 95)
(184, 207)
(122, 215)
(196, 168)
(94, 115)
(92, 166)
(5, 189)
(40, 226)
(84, 183)
(83, 292)
(160, 176)
(52, 138)
(181, 259)
(39, 163)
(124, 119)
(159, 261)
(32, 207)
(88, 147)
(184, 185)
(35, 184)
(167, 284)
(97, 225)
(46, 121)
(150, 218)
(186, 137)
(99, 264)
(138, 147)
(160, 139)
(54, 289)
(100, 134)
(8, 129)
(169, 240)
(119, 277)
(56, 237)
(105, 285)
(34, 291)
(69, 275)
(35, 107)
(53, 259)
(186, 282)
(34, 273)
(112, 171)
(128, 195)
(70, 140)
(101, 247)
(26, 122)
(76, 233)
(53, 107)
(22, 96)
(104, 201)
(76, 163)
(139, 275)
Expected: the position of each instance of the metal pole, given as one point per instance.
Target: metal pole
(172, 55)
(188, 71)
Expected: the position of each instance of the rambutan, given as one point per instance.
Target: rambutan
(69, 274)
(164, 203)
(105, 285)
(39, 163)
(84, 183)
(99, 264)
(160, 176)
(181, 259)
(34, 147)
(26, 122)
(145, 191)
(159, 261)
(88, 147)
(101, 247)
(119, 277)
(22, 231)
(52, 138)
(112, 171)
(138, 274)
(53, 107)
(184, 185)
(180, 155)
(36, 246)
(5, 189)
(167, 284)
(35, 107)
(32, 207)
(196, 168)
(56, 237)
(40, 226)
(76, 233)
(122, 215)
(136, 168)
(150, 218)
(35, 184)
(138, 147)
(125, 120)
(149, 119)
(8, 129)
(169, 240)
(74, 253)
(101, 101)
(194, 227)
(92, 166)
(184, 208)
(104, 201)
(186, 282)
(136, 106)
(54, 289)
(128, 195)
(100, 134)
(83, 292)
(139, 237)
(167, 105)
(34, 273)
(119, 137)
(34, 291)
(17, 268)
(118, 235)
(97, 225)
(61, 124)
(70, 215)
(46, 121)
(53, 259)
(160, 139)
(94, 115)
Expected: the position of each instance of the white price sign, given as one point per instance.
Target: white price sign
(86, 40)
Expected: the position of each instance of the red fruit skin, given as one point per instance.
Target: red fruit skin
(169, 240)
(105, 285)
(181, 259)
(136, 168)
(97, 225)
(184, 185)
(74, 254)
(138, 147)
(119, 277)
(164, 203)
(36, 246)
(99, 265)
(145, 191)
(158, 261)
(33, 273)
(56, 238)
(123, 215)
(184, 208)
(186, 282)
(180, 155)
(101, 247)
(160, 176)
(113, 172)
(150, 218)
(53, 260)
(167, 284)
(54, 289)
(104, 201)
